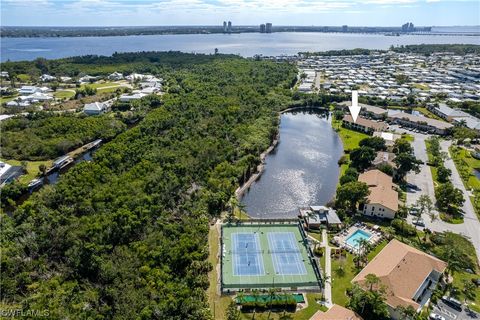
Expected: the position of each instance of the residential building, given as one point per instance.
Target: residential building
(315, 216)
(382, 158)
(65, 79)
(389, 137)
(27, 90)
(268, 27)
(131, 97)
(95, 108)
(115, 76)
(262, 28)
(382, 201)
(87, 79)
(9, 173)
(47, 78)
(3, 74)
(336, 312)
(421, 123)
(368, 110)
(363, 125)
(408, 275)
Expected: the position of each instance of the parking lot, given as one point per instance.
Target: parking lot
(451, 314)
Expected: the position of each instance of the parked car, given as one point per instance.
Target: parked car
(419, 222)
(452, 302)
(413, 211)
(434, 316)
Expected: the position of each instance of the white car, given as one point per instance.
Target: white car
(434, 316)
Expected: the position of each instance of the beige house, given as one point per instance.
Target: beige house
(408, 275)
(363, 125)
(383, 199)
(336, 312)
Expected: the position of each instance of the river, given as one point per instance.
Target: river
(301, 171)
(244, 44)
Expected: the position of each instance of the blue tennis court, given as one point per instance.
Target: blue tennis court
(247, 255)
(286, 256)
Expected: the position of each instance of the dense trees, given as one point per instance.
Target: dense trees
(369, 301)
(449, 198)
(361, 158)
(350, 194)
(125, 236)
(42, 136)
(376, 143)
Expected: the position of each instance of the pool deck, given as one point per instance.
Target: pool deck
(341, 238)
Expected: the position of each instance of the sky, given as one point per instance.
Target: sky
(240, 12)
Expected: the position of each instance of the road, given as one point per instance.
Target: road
(451, 314)
(423, 180)
(328, 270)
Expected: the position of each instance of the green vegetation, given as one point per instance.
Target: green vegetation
(427, 49)
(32, 168)
(125, 235)
(350, 138)
(64, 94)
(44, 136)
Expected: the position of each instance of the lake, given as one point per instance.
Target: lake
(301, 171)
(245, 44)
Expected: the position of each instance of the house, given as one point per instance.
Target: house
(18, 103)
(65, 79)
(363, 125)
(368, 110)
(131, 97)
(9, 173)
(38, 96)
(408, 275)
(315, 216)
(389, 137)
(47, 78)
(421, 123)
(115, 76)
(27, 90)
(382, 158)
(4, 74)
(383, 199)
(95, 108)
(87, 79)
(336, 312)
(445, 112)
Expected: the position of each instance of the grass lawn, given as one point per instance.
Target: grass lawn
(220, 303)
(6, 99)
(105, 87)
(343, 271)
(408, 137)
(32, 168)
(350, 138)
(64, 94)
(421, 86)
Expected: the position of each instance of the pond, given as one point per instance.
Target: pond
(301, 171)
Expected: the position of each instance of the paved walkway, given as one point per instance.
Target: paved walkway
(327, 270)
(423, 180)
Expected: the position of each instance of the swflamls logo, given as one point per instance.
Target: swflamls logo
(20, 313)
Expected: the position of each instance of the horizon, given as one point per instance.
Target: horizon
(234, 25)
(117, 13)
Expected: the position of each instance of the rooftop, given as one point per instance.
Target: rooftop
(336, 312)
(402, 269)
(381, 188)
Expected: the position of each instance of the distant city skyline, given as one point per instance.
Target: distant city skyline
(240, 12)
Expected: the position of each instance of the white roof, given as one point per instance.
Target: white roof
(95, 106)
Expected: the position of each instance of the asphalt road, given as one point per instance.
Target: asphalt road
(451, 314)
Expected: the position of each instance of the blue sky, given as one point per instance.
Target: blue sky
(240, 12)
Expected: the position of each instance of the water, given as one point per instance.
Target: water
(52, 177)
(476, 173)
(245, 44)
(356, 237)
(301, 171)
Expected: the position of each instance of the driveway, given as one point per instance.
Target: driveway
(451, 314)
(423, 180)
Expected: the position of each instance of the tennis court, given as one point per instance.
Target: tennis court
(266, 255)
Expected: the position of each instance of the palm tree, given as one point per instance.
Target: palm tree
(406, 312)
(323, 280)
(469, 291)
(371, 281)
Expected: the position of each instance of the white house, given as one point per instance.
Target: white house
(3, 74)
(65, 79)
(131, 97)
(87, 78)
(27, 90)
(115, 76)
(47, 78)
(95, 108)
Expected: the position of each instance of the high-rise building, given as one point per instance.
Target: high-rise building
(268, 27)
(262, 28)
(344, 28)
(224, 26)
(229, 26)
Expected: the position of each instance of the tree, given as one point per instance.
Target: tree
(462, 133)
(376, 143)
(232, 311)
(425, 206)
(351, 194)
(406, 312)
(402, 146)
(449, 198)
(406, 162)
(362, 157)
(369, 302)
(469, 290)
(43, 169)
(443, 173)
(350, 175)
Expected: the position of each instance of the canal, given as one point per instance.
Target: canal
(301, 171)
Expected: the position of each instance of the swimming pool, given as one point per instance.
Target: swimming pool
(355, 238)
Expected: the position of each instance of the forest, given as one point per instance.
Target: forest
(43, 136)
(125, 236)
